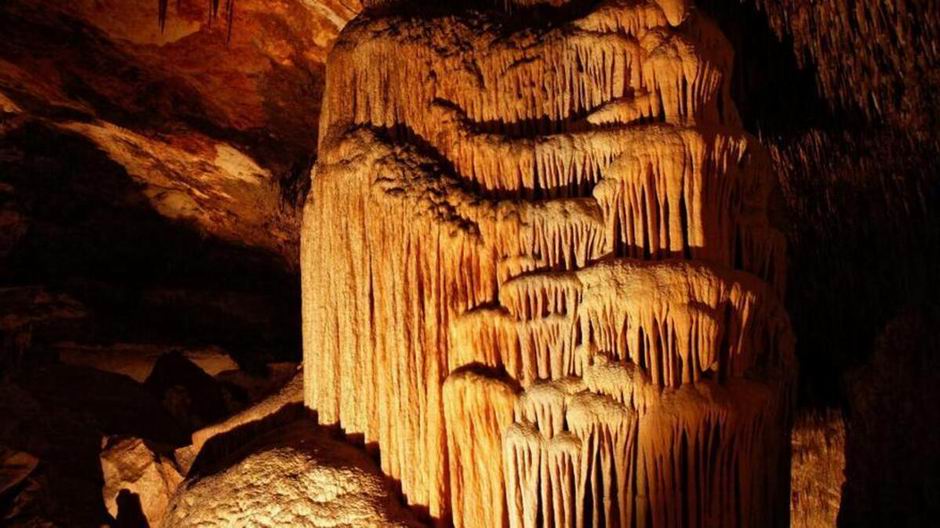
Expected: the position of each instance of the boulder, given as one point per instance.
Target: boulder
(297, 475)
(138, 472)
(191, 395)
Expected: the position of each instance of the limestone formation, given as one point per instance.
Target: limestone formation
(818, 470)
(538, 270)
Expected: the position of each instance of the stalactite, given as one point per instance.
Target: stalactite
(550, 243)
(214, 5)
(478, 406)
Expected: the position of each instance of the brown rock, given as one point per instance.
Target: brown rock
(296, 475)
(219, 131)
(290, 393)
(15, 466)
(818, 469)
(191, 178)
(191, 395)
(137, 360)
(135, 468)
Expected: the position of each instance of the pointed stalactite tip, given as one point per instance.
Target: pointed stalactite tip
(214, 5)
(162, 7)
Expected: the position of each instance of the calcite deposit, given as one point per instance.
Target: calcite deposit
(538, 270)
(818, 469)
(296, 475)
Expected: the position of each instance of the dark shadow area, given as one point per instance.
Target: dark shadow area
(892, 459)
(191, 395)
(775, 97)
(228, 448)
(59, 414)
(858, 206)
(93, 236)
(854, 205)
(111, 270)
(130, 514)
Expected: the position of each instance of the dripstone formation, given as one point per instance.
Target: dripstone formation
(538, 271)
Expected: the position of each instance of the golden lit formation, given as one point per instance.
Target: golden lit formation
(469, 263)
(538, 272)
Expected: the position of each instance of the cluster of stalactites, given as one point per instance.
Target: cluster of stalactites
(519, 248)
(632, 67)
(575, 457)
(565, 459)
(619, 107)
(674, 11)
(524, 288)
(678, 322)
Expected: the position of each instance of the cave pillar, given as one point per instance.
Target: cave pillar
(538, 271)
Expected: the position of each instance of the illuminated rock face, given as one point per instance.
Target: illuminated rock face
(538, 271)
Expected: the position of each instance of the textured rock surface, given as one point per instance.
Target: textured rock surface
(215, 132)
(257, 93)
(290, 393)
(147, 471)
(818, 469)
(297, 475)
(502, 207)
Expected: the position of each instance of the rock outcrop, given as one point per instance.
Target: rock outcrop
(290, 394)
(538, 271)
(15, 467)
(154, 176)
(136, 360)
(818, 469)
(214, 129)
(296, 475)
(132, 466)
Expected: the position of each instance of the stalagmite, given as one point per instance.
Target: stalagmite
(538, 271)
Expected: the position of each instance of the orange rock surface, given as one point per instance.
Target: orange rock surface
(538, 271)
